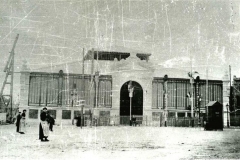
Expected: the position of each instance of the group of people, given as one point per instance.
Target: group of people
(46, 123)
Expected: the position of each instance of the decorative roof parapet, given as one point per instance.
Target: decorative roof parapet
(111, 55)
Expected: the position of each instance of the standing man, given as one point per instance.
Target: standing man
(78, 120)
(43, 127)
(18, 121)
(51, 121)
(23, 122)
(15, 115)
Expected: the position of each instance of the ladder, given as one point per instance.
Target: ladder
(9, 69)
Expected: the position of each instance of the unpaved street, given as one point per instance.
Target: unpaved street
(120, 142)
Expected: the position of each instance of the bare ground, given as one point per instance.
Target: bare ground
(120, 142)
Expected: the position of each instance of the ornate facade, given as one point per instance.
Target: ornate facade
(103, 80)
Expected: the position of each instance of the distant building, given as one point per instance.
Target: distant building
(235, 94)
(235, 102)
(106, 94)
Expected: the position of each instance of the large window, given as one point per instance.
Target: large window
(43, 89)
(57, 90)
(211, 91)
(176, 93)
(177, 90)
(104, 93)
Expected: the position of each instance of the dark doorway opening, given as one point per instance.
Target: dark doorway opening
(137, 101)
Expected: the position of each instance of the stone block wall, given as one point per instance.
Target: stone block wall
(226, 94)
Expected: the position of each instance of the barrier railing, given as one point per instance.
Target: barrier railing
(142, 121)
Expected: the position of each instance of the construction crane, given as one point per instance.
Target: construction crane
(7, 106)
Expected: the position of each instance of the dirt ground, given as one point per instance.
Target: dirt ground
(120, 142)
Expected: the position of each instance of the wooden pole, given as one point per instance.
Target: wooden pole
(83, 74)
(83, 83)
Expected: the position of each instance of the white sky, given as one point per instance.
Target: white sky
(173, 31)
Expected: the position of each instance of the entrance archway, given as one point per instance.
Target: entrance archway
(137, 100)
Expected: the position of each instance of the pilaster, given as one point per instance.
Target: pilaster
(24, 90)
(226, 94)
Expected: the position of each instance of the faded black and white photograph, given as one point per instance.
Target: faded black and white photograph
(119, 79)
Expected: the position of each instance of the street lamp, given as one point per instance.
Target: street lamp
(199, 102)
(97, 81)
(191, 95)
(130, 90)
(193, 76)
(227, 115)
(165, 79)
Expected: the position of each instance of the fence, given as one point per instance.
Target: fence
(142, 121)
(235, 119)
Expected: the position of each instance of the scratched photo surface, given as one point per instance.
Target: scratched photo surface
(120, 79)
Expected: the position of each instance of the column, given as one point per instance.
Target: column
(226, 94)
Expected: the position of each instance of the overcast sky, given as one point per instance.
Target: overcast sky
(173, 31)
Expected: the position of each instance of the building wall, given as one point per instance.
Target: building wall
(24, 91)
(145, 81)
(121, 72)
(226, 104)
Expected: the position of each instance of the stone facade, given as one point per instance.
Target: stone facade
(121, 71)
(226, 94)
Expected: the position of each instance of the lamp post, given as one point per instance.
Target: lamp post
(191, 97)
(227, 115)
(130, 90)
(199, 103)
(72, 98)
(193, 76)
(96, 81)
(165, 79)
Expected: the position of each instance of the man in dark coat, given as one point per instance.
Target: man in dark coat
(43, 126)
(18, 121)
(51, 121)
(23, 122)
(78, 118)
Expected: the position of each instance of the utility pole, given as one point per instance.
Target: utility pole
(230, 86)
(165, 99)
(92, 76)
(9, 69)
(191, 81)
(97, 85)
(83, 74)
(192, 116)
(83, 80)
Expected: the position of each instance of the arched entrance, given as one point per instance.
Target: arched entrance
(137, 101)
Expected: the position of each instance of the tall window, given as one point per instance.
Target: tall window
(104, 93)
(43, 89)
(177, 90)
(55, 90)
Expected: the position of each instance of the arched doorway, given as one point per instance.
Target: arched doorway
(137, 101)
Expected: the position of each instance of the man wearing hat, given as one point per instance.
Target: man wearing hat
(18, 124)
(23, 122)
(43, 127)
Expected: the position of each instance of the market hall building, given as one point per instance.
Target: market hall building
(102, 81)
